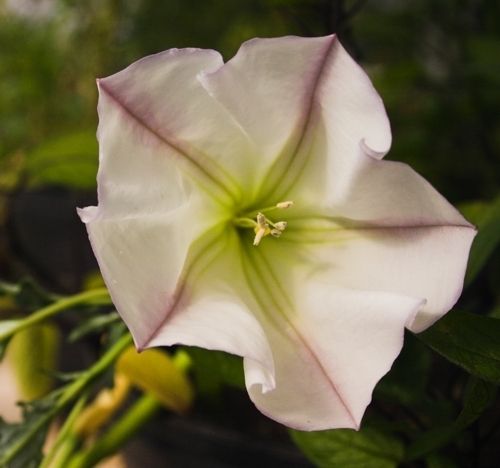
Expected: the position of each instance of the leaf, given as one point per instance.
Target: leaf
(22, 441)
(213, 369)
(95, 324)
(487, 219)
(407, 379)
(346, 448)
(436, 460)
(479, 395)
(34, 426)
(27, 294)
(70, 161)
(155, 372)
(468, 340)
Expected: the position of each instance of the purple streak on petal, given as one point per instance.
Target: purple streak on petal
(196, 159)
(279, 184)
(271, 281)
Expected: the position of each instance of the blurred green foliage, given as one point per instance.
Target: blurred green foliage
(436, 65)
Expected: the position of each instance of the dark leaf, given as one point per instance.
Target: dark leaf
(346, 448)
(27, 294)
(95, 324)
(487, 219)
(34, 426)
(213, 369)
(468, 340)
(479, 395)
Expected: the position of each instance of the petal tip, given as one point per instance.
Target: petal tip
(375, 153)
(87, 214)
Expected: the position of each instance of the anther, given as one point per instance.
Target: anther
(280, 225)
(284, 204)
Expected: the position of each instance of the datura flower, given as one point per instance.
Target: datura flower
(245, 207)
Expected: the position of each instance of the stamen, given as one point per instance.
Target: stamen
(284, 204)
(260, 233)
(280, 225)
(262, 225)
(261, 220)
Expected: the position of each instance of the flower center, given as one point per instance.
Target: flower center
(261, 224)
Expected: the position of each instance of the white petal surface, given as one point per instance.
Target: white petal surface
(344, 113)
(162, 94)
(216, 311)
(392, 231)
(422, 262)
(423, 247)
(146, 219)
(337, 345)
(141, 260)
(269, 86)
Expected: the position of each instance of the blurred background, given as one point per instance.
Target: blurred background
(436, 64)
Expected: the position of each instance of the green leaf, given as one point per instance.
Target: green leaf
(346, 448)
(407, 379)
(468, 340)
(95, 324)
(27, 294)
(435, 460)
(34, 426)
(214, 369)
(487, 219)
(479, 395)
(20, 443)
(70, 161)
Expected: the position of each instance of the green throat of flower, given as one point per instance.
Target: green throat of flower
(261, 224)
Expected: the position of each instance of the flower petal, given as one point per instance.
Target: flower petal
(141, 260)
(312, 366)
(161, 94)
(425, 262)
(392, 231)
(269, 86)
(216, 311)
(337, 345)
(348, 121)
(147, 218)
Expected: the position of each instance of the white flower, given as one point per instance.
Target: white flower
(195, 156)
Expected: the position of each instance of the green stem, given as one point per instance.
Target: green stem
(54, 309)
(267, 209)
(107, 444)
(65, 450)
(56, 450)
(70, 393)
